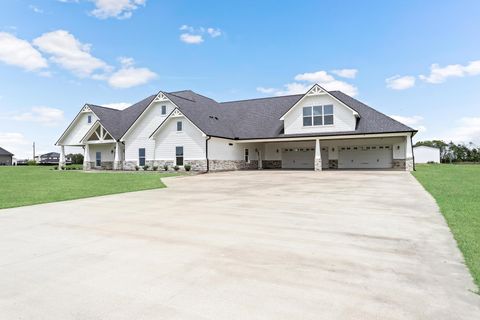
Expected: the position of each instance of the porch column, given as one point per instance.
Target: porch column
(318, 156)
(86, 157)
(61, 161)
(116, 161)
(409, 165)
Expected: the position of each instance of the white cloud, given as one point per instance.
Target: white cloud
(414, 121)
(44, 115)
(305, 82)
(69, 53)
(117, 105)
(441, 74)
(129, 76)
(120, 9)
(14, 142)
(214, 32)
(398, 82)
(191, 38)
(35, 9)
(346, 73)
(467, 130)
(20, 53)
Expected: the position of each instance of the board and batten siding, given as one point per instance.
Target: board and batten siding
(226, 149)
(343, 117)
(139, 134)
(78, 129)
(190, 138)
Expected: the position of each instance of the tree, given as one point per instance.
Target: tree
(452, 152)
(77, 158)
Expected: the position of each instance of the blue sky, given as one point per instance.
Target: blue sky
(416, 60)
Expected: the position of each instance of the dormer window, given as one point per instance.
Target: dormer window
(318, 115)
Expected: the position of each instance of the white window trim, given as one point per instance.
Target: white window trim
(246, 154)
(323, 116)
(180, 126)
(183, 156)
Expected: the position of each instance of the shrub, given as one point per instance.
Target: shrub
(145, 167)
(31, 163)
(187, 167)
(176, 168)
(165, 167)
(154, 168)
(136, 168)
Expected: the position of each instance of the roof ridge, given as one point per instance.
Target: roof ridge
(274, 97)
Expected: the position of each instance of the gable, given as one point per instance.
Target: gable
(78, 128)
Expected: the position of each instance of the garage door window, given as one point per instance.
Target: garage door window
(318, 115)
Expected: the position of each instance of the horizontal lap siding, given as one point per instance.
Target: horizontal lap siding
(139, 135)
(219, 149)
(105, 149)
(190, 138)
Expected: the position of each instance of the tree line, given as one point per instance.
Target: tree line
(452, 152)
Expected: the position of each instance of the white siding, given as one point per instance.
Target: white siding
(78, 129)
(107, 150)
(344, 120)
(424, 154)
(220, 149)
(191, 138)
(139, 134)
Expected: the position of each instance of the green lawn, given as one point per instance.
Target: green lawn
(457, 191)
(25, 185)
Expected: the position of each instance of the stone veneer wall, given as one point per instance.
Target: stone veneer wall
(318, 164)
(272, 164)
(399, 164)
(197, 165)
(332, 164)
(225, 165)
(409, 164)
(104, 165)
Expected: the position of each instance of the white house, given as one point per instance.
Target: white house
(425, 154)
(316, 130)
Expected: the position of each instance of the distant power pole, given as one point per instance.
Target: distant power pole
(33, 150)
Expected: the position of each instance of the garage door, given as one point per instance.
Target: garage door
(365, 157)
(302, 158)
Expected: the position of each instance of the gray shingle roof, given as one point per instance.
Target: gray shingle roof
(4, 152)
(244, 119)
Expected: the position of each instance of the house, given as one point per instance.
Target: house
(426, 154)
(317, 130)
(6, 158)
(51, 158)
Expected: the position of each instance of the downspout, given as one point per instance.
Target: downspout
(413, 155)
(206, 152)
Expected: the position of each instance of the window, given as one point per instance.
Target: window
(179, 125)
(246, 156)
(141, 156)
(318, 115)
(179, 156)
(98, 159)
(164, 110)
(89, 119)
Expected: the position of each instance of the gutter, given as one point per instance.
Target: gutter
(206, 153)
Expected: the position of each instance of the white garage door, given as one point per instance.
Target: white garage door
(302, 158)
(365, 157)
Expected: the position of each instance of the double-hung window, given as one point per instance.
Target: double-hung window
(179, 126)
(246, 156)
(141, 156)
(164, 110)
(318, 115)
(179, 156)
(98, 159)
(89, 119)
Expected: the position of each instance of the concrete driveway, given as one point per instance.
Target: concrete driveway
(239, 245)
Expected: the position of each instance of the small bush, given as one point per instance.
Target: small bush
(31, 163)
(145, 167)
(154, 168)
(176, 168)
(137, 168)
(187, 167)
(165, 167)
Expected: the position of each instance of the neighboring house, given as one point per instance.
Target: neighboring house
(425, 154)
(316, 130)
(51, 158)
(6, 158)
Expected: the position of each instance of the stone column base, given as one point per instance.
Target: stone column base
(117, 165)
(318, 164)
(399, 164)
(409, 164)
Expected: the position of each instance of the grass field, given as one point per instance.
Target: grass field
(457, 191)
(26, 185)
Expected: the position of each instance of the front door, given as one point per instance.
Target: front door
(98, 159)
